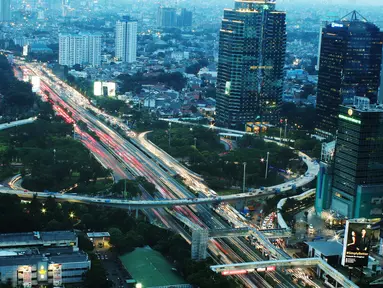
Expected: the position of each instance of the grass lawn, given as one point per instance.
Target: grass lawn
(150, 268)
(228, 192)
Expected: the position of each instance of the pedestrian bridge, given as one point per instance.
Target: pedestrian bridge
(323, 267)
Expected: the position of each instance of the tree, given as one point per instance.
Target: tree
(96, 276)
(84, 243)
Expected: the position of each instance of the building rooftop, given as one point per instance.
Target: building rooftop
(34, 259)
(98, 234)
(35, 238)
(327, 248)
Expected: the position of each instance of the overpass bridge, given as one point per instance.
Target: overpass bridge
(134, 204)
(17, 123)
(323, 268)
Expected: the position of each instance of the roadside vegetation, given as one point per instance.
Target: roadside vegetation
(126, 234)
(222, 169)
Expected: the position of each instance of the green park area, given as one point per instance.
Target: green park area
(201, 150)
(150, 268)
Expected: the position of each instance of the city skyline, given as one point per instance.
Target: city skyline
(222, 143)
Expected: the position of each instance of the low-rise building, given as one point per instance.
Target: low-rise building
(42, 258)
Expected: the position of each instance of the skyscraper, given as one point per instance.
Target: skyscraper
(185, 18)
(252, 51)
(5, 10)
(166, 17)
(349, 65)
(126, 40)
(80, 49)
(357, 189)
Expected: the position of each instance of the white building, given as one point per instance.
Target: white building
(80, 49)
(126, 40)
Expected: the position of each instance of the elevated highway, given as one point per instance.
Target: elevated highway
(17, 123)
(323, 267)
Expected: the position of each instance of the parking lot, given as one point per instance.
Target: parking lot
(116, 273)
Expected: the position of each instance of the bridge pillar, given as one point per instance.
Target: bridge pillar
(137, 213)
(240, 205)
(200, 238)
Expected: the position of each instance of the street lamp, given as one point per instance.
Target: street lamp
(43, 210)
(74, 131)
(71, 215)
(244, 177)
(267, 165)
(54, 156)
(170, 128)
(139, 285)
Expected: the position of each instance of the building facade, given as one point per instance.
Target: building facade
(126, 40)
(185, 18)
(166, 17)
(349, 65)
(252, 51)
(82, 49)
(41, 259)
(5, 10)
(357, 188)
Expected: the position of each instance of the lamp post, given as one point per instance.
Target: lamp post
(285, 128)
(244, 177)
(170, 128)
(54, 156)
(74, 131)
(195, 142)
(267, 165)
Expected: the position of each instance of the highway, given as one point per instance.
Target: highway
(17, 123)
(129, 161)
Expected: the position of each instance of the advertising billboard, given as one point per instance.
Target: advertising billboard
(35, 80)
(42, 272)
(25, 50)
(357, 243)
(97, 91)
(111, 89)
(57, 275)
(27, 276)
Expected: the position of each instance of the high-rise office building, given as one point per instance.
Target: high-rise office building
(349, 65)
(126, 40)
(252, 49)
(80, 49)
(166, 17)
(5, 10)
(185, 18)
(357, 188)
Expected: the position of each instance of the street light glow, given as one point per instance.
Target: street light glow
(43, 210)
(71, 215)
(139, 285)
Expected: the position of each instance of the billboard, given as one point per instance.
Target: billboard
(357, 243)
(25, 50)
(57, 275)
(35, 80)
(27, 276)
(42, 272)
(97, 91)
(111, 89)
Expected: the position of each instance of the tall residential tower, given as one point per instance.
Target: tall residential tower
(349, 66)
(5, 10)
(252, 51)
(126, 40)
(80, 49)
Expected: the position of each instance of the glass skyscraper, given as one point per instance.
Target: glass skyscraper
(252, 49)
(357, 189)
(349, 66)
